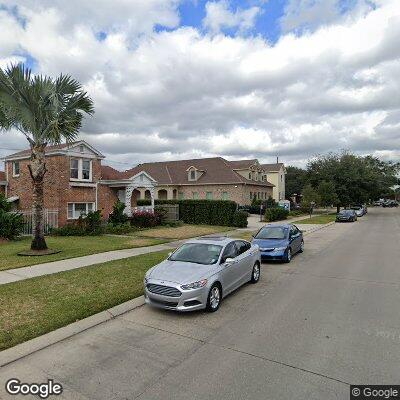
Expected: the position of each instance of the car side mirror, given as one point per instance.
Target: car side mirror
(229, 261)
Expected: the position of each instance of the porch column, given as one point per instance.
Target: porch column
(152, 193)
(128, 197)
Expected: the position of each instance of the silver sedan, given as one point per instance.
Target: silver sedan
(201, 272)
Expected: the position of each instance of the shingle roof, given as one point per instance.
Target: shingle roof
(46, 150)
(109, 173)
(275, 167)
(216, 171)
(242, 163)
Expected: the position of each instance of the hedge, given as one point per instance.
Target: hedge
(276, 214)
(208, 212)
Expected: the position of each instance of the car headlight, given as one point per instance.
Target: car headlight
(279, 248)
(195, 285)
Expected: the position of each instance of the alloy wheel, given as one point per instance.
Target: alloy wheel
(215, 297)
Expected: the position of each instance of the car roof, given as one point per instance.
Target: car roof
(277, 225)
(217, 240)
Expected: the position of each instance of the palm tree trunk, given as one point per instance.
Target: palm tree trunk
(37, 169)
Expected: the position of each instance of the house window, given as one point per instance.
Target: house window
(250, 177)
(281, 178)
(75, 210)
(80, 169)
(209, 196)
(16, 168)
(195, 195)
(225, 196)
(251, 195)
(181, 195)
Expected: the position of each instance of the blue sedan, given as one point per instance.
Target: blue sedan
(279, 242)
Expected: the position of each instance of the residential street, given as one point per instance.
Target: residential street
(307, 331)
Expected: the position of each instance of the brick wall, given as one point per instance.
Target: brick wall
(58, 190)
(106, 199)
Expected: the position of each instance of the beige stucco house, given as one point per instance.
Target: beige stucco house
(275, 173)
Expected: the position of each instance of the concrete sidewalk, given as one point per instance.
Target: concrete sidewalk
(19, 274)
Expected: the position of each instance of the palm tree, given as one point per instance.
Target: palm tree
(46, 111)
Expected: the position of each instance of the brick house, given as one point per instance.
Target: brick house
(206, 178)
(77, 182)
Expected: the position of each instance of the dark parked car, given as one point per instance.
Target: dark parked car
(279, 242)
(346, 216)
(390, 203)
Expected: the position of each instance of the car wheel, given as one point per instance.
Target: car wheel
(288, 256)
(214, 298)
(301, 247)
(255, 275)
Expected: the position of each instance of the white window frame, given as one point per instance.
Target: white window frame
(80, 170)
(195, 196)
(225, 196)
(209, 196)
(14, 163)
(74, 215)
(192, 170)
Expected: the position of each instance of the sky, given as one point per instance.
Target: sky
(179, 79)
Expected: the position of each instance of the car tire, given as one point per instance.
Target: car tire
(255, 273)
(301, 250)
(288, 255)
(213, 303)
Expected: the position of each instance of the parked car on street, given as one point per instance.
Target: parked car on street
(377, 203)
(200, 273)
(346, 216)
(279, 242)
(359, 210)
(390, 203)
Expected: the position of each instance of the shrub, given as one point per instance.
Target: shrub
(120, 229)
(117, 216)
(208, 212)
(11, 224)
(91, 224)
(276, 214)
(240, 219)
(145, 219)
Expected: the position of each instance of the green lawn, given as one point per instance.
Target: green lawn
(70, 246)
(36, 306)
(183, 232)
(320, 219)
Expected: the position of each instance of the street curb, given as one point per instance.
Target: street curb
(41, 342)
(319, 228)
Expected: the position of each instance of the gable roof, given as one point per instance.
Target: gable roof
(216, 170)
(239, 164)
(275, 167)
(54, 149)
(109, 173)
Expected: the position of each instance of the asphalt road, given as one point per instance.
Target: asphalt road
(307, 331)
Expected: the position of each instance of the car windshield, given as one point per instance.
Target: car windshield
(198, 253)
(272, 232)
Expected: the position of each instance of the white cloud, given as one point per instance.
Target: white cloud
(183, 93)
(219, 17)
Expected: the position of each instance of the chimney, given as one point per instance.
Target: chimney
(277, 160)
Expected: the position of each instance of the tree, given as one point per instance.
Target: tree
(46, 111)
(310, 195)
(327, 193)
(295, 180)
(356, 179)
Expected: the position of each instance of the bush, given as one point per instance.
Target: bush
(240, 219)
(296, 213)
(89, 225)
(145, 219)
(11, 224)
(276, 214)
(120, 229)
(208, 212)
(118, 217)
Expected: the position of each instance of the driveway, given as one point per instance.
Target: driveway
(306, 331)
